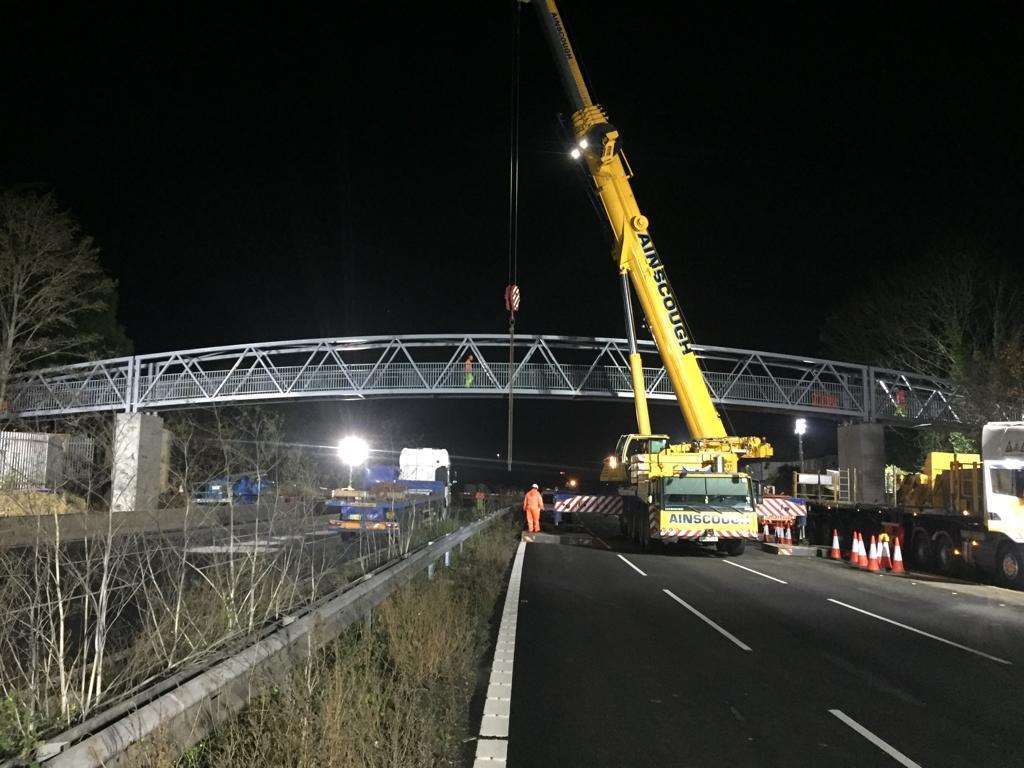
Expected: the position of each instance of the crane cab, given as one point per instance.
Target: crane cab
(631, 449)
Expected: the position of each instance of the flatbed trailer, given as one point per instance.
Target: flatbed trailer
(355, 516)
(965, 514)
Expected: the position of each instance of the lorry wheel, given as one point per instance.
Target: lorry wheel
(945, 560)
(922, 550)
(1009, 566)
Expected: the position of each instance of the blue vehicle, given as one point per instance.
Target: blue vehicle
(244, 489)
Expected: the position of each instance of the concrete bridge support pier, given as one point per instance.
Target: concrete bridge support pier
(141, 451)
(862, 448)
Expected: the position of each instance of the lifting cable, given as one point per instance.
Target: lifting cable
(512, 291)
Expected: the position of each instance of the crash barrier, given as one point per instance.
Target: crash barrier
(187, 707)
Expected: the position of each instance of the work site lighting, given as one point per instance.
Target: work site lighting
(353, 451)
(584, 144)
(800, 428)
(575, 154)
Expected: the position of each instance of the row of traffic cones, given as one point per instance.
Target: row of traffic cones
(875, 559)
(783, 535)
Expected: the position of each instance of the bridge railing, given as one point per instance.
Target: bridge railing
(435, 365)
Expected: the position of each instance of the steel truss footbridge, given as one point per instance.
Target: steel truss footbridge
(421, 365)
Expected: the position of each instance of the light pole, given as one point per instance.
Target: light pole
(353, 451)
(800, 427)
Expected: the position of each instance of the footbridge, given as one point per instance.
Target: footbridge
(435, 365)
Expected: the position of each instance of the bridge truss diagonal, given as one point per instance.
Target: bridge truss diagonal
(434, 365)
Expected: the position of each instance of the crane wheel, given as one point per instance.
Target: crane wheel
(733, 547)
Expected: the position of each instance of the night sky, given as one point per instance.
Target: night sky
(256, 173)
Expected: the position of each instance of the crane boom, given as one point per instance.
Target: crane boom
(638, 259)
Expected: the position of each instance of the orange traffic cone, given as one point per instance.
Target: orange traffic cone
(853, 549)
(766, 536)
(873, 556)
(897, 557)
(884, 558)
(862, 553)
(834, 553)
(787, 537)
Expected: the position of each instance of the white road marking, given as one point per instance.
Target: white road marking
(707, 621)
(920, 632)
(737, 565)
(631, 565)
(890, 750)
(492, 746)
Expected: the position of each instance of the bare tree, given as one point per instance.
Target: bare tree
(50, 282)
(958, 315)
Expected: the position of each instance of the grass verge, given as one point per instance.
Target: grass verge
(394, 693)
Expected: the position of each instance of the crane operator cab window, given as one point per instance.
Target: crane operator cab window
(633, 445)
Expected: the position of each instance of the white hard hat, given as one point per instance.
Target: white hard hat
(535, 486)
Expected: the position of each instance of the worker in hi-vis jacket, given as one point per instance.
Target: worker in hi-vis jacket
(532, 505)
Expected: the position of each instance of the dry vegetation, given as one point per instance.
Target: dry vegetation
(89, 619)
(396, 693)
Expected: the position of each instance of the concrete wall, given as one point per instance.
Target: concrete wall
(862, 448)
(140, 470)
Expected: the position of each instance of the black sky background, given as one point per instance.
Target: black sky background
(255, 173)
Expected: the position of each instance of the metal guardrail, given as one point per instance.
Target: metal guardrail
(188, 708)
(435, 366)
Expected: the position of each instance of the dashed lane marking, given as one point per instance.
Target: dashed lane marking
(920, 632)
(724, 632)
(765, 575)
(492, 746)
(890, 750)
(631, 565)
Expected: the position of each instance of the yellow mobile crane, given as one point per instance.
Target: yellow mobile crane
(692, 490)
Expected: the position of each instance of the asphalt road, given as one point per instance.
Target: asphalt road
(611, 670)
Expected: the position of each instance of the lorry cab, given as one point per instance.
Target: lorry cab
(1003, 461)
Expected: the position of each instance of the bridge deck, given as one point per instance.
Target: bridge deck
(435, 365)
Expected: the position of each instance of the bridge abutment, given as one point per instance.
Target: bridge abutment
(862, 448)
(141, 452)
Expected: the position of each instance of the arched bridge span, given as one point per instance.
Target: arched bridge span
(433, 365)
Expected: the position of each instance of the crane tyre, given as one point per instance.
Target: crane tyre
(735, 547)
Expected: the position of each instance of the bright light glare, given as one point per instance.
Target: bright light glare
(353, 450)
(584, 144)
(575, 154)
(613, 462)
(800, 427)
(572, 482)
